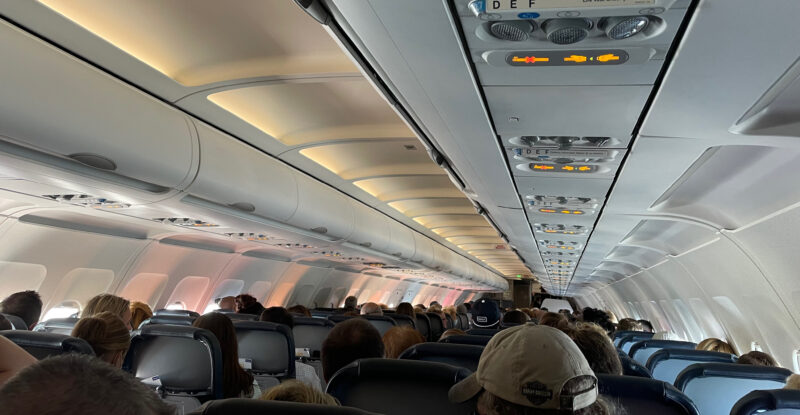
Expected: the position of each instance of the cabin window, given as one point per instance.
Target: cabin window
(20, 276)
(322, 297)
(188, 293)
(65, 309)
(145, 287)
(81, 284)
(302, 295)
(178, 305)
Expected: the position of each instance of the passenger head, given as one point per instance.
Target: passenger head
(5, 324)
(756, 358)
(247, 304)
(78, 384)
(278, 315)
(111, 303)
(347, 342)
(435, 308)
(107, 335)
(227, 303)
(452, 332)
(236, 382)
(556, 320)
(371, 309)
(139, 313)
(406, 309)
(397, 339)
(515, 317)
(531, 369)
(299, 310)
(485, 313)
(629, 324)
(793, 382)
(597, 348)
(350, 303)
(715, 345)
(421, 307)
(647, 326)
(26, 305)
(294, 390)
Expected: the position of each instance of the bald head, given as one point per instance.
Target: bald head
(371, 309)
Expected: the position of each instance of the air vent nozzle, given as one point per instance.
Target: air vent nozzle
(623, 27)
(512, 30)
(567, 31)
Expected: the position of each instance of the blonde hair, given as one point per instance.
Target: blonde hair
(139, 313)
(793, 382)
(716, 345)
(296, 391)
(105, 332)
(106, 302)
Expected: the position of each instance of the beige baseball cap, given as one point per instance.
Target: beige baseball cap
(528, 365)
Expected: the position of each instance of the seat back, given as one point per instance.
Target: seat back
(382, 323)
(461, 355)
(437, 325)
(463, 320)
(310, 332)
(402, 319)
(716, 387)
(183, 363)
(323, 313)
(240, 316)
(17, 323)
(241, 406)
(57, 325)
(619, 335)
(170, 320)
(642, 350)
(394, 386)
(267, 351)
(638, 395)
(184, 313)
(424, 326)
(625, 342)
(468, 339)
(451, 322)
(770, 402)
(42, 344)
(666, 364)
(483, 332)
(631, 367)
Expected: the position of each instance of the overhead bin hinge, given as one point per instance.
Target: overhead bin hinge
(315, 9)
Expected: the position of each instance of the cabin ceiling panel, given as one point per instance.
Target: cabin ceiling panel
(356, 160)
(433, 206)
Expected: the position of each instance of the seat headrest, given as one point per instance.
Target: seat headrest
(767, 400)
(468, 339)
(313, 321)
(483, 332)
(165, 312)
(620, 334)
(646, 396)
(42, 344)
(269, 346)
(17, 323)
(57, 325)
(169, 319)
(242, 406)
(186, 359)
(396, 386)
(633, 337)
(689, 354)
(631, 367)
(239, 316)
(338, 318)
(461, 355)
(660, 344)
(731, 370)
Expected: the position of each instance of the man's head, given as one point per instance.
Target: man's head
(757, 358)
(629, 324)
(515, 317)
(76, 384)
(529, 368)
(350, 303)
(485, 313)
(596, 347)
(347, 342)
(371, 309)
(227, 303)
(26, 305)
(278, 315)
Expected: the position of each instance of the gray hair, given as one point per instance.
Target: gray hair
(75, 384)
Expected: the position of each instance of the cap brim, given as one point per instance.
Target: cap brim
(465, 390)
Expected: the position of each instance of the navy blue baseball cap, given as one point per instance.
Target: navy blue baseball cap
(485, 313)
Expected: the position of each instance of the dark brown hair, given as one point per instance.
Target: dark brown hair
(347, 342)
(757, 358)
(26, 305)
(278, 315)
(105, 332)
(597, 348)
(556, 320)
(236, 382)
(407, 309)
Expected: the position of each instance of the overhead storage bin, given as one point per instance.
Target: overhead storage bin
(442, 255)
(322, 209)
(402, 243)
(423, 253)
(237, 175)
(371, 228)
(61, 112)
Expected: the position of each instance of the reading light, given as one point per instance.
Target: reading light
(623, 27)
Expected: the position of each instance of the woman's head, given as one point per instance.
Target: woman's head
(111, 303)
(296, 391)
(407, 309)
(597, 348)
(715, 345)
(452, 332)
(397, 339)
(756, 358)
(236, 381)
(556, 320)
(107, 334)
(139, 313)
